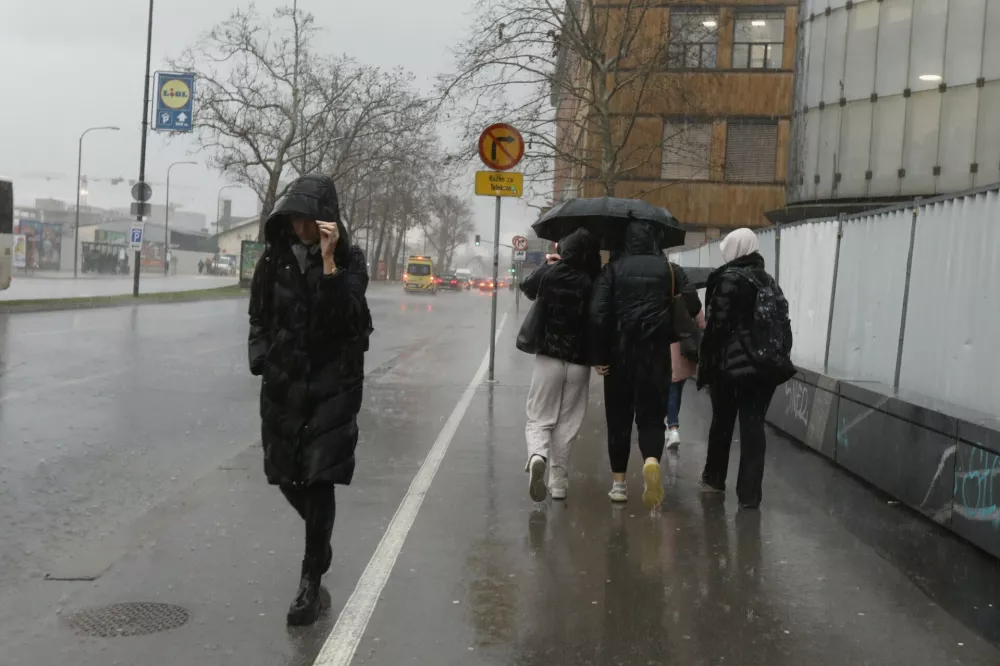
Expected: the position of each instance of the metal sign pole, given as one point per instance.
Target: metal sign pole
(496, 269)
(517, 289)
(142, 152)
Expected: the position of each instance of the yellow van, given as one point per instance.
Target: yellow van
(419, 276)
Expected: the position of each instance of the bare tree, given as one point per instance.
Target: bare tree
(577, 79)
(271, 109)
(448, 226)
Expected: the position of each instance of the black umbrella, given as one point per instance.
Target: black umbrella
(606, 217)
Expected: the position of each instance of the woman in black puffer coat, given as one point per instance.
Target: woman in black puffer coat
(557, 399)
(633, 329)
(309, 328)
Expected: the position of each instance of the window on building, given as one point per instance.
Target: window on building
(758, 40)
(694, 39)
(687, 151)
(751, 152)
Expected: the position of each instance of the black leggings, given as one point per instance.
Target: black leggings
(636, 391)
(317, 506)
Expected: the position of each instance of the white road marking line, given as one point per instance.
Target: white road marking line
(342, 643)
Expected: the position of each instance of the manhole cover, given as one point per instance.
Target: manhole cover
(135, 619)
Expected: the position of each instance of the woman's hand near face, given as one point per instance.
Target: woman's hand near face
(329, 236)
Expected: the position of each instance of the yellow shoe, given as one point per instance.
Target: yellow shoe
(652, 496)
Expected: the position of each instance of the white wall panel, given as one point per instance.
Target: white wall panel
(953, 317)
(829, 146)
(715, 255)
(766, 240)
(814, 67)
(964, 43)
(892, 64)
(957, 147)
(887, 146)
(862, 39)
(923, 124)
(855, 148)
(806, 277)
(930, 18)
(868, 305)
(988, 135)
(833, 60)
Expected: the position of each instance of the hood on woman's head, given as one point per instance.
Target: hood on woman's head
(314, 197)
(738, 243)
(581, 250)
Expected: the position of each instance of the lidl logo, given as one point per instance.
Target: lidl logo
(175, 94)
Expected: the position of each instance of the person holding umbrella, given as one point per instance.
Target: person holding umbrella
(631, 323)
(556, 333)
(632, 330)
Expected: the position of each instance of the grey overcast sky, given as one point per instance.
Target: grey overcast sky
(69, 65)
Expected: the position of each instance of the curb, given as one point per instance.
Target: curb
(118, 301)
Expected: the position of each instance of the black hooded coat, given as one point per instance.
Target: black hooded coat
(630, 310)
(308, 336)
(563, 290)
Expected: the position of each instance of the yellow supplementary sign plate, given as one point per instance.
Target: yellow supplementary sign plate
(499, 184)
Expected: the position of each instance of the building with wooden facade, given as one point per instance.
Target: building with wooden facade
(708, 135)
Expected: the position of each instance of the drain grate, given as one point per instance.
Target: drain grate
(132, 619)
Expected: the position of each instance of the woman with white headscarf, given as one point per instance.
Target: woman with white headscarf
(740, 386)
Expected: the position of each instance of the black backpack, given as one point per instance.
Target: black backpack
(767, 340)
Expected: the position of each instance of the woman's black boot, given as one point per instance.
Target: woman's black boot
(306, 608)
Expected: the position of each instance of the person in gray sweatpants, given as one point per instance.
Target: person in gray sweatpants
(560, 383)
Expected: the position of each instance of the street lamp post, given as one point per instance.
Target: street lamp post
(79, 176)
(166, 222)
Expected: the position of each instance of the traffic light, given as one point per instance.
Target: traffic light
(510, 270)
(477, 240)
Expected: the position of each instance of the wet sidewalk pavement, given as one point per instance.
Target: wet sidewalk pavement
(32, 287)
(827, 572)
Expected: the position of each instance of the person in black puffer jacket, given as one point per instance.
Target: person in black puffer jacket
(737, 387)
(632, 333)
(557, 399)
(309, 329)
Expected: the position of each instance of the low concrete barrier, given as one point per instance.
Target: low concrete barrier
(940, 459)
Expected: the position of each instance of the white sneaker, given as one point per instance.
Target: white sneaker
(558, 483)
(673, 438)
(536, 479)
(619, 492)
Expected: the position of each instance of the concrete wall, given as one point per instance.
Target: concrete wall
(938, 459)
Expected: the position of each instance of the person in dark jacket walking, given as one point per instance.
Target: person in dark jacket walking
(632, 332)
(736, 384)
(309, 329)
(560, 383)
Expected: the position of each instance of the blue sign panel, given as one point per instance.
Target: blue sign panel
(174, 102)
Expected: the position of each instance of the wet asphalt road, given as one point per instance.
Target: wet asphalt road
(128, 472)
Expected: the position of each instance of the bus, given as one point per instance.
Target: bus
(6, 232)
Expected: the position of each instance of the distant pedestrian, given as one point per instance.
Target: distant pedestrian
(309, 329)
(632, 332)
(683, 366)
(201, 266)
(745, 355)
(556, 333)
